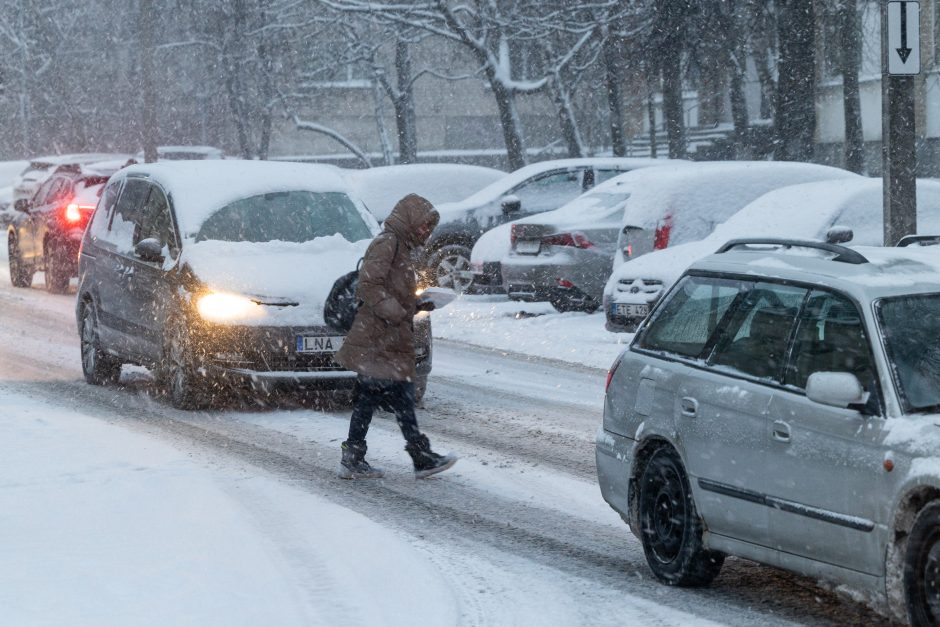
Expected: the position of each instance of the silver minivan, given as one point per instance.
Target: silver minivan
(781, 404)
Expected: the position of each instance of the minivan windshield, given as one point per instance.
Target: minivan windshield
(911, 326)
(292, 216)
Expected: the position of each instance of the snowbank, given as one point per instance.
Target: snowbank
(530, 329)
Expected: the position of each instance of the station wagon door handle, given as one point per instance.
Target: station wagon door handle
(781, 431)
(689, 407)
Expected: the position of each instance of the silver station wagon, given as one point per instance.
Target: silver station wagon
(782, 404)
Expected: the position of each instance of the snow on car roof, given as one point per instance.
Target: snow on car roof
(701, 195)
(199, 188)
(804, 211)
(494, 191)
(382, 187)
(889, 271)
(79, 159)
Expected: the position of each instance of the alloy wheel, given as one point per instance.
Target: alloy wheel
(450, 271)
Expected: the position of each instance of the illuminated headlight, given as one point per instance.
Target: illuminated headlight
(216, 307)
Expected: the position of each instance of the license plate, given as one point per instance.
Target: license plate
(630, 311)
(319, 343)
(528, 246)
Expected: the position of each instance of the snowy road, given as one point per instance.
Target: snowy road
(516, 534)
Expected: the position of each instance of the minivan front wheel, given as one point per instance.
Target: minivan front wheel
(185, 384)
(671, 528)
(922, 568)
(98, 367)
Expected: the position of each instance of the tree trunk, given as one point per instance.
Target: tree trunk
(145, 27)
(388, 155)
(566, 118)
(509, 121)
(673, 115)
(739, 113)
(613, 76)
(851, 98)
(651, 113)
(404, 106)
(795, 121)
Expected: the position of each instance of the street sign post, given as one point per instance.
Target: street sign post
(900, 63)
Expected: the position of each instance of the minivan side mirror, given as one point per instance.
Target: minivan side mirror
(511, 204)
(836, 389)
(149, 249)
(839, 235)
(22, 204)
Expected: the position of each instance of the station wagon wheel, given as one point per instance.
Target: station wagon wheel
(671, 530)
(922, 568)
(185, 384)
(98, 367)
(57, 270)
(448, 266)
(21, 273)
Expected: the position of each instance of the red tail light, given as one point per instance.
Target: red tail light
(663, 229)
(75, 214)
(513, 235)
(576, 240)
(610, 373)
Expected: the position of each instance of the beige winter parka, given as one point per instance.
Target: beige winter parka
(381, 341)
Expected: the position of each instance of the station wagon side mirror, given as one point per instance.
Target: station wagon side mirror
(511, 204)
(836, 389)
(149, 249)
(22, 204)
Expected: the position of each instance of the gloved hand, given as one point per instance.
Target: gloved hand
(426, 305)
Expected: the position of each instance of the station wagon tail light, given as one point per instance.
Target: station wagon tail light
(663, 231)
(75, 212)
(513, 235)
(221, 307)
(575, 240)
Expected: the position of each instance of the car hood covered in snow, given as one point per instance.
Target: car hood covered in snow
(290, 281)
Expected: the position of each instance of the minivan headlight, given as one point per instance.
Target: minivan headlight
(220, 307)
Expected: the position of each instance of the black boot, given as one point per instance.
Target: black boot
(426, 461)
(354, 464)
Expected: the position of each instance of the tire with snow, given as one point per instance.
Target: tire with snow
(446, 265)
(21, 272)
(98, 367)
(58, 271)
(421, 387)
(671, 530)
(181, 373)
(922, 568)
(564, 303)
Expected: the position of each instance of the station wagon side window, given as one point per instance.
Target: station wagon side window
(684, 324)
(756, 337)
(43, 193)
(830, 338)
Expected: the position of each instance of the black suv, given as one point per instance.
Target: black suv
(46, 230)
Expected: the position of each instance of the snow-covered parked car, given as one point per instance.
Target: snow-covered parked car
(780, 405)
(807, 211)
(184, 153)
(41, 168)
(215, 274)
(381, 187)
(535, 188)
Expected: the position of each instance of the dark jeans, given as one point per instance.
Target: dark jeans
(397, 397)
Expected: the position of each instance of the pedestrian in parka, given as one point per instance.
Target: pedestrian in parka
(380, 344)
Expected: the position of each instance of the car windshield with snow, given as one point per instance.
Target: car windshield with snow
(815, 360)
(214, 274)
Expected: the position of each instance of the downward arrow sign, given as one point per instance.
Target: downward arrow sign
(904, 52)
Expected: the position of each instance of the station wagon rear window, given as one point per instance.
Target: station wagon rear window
(685, 323)
(293, 216)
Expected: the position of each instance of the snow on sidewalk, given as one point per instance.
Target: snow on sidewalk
(531, 329)
(100, 526)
